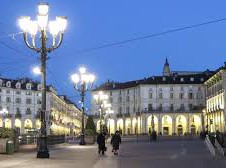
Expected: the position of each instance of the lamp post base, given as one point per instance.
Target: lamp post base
(82, 140)
(43, 151)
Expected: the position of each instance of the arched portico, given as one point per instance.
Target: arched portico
(166, 125)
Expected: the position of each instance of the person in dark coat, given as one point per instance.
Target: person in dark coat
(115, 140)
(101, 143)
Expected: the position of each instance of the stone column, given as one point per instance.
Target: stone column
(174, 125)
(160, 124)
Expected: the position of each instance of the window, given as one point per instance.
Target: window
(18, 100)
(127, 109)
(192, 79)
(160, 107)
(182, 79)
(181, 95)
(202, 79)
(160, 95)
(134, 109)
(171, 107)
(182, 106)
(8, 99)
(18, 92)
(128, 91)
(110, 93)
(18, 85)
(171, 95)
(171, 89)
(190, 106)
(190, 95)
(28, 111)
(150, 95)
(28, 101)
(120, 92)
(182, 88)
(120, 99)
(120, 110)
(0, 90)
(150, 107)
(127, 98)
(28, 86)
(18, 110)
(8, 91)
(0, 98)
(8, 84)
(39, 87)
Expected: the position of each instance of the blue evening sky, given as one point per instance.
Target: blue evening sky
(92, 23)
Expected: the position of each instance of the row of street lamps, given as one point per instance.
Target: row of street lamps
(82, 81)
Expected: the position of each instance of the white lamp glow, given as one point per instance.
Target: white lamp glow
(82, 70)
(42, 21)
(43, 8)
(62, 23)
(53, 28)
(33, 27)
(36, 70)
(24, 21)
(75, 78)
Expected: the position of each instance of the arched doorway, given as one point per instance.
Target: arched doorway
(180, 130)
(166, 125)
(18, 124)
(111, 126)
(152, 122)
(8, 123)
(181, 124)
(195, 121)
(28, 125)
(120, 126)
(128, 126)
(134, 126)
(193, 129)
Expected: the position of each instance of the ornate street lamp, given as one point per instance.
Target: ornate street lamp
(101, 100)
(83, 82)
(56, 30)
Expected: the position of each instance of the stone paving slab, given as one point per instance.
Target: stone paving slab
(171, 154)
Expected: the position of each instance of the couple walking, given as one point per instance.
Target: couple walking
(115, 141)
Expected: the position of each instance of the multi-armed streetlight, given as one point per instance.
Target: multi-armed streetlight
(101, 100)
(82, 83)
(46, 28)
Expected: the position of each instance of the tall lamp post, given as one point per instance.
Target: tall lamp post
(56, 29)
(101, 99)
(83, 82)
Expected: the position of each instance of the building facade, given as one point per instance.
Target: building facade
(20, 105)
(215, 112)
(172, 104)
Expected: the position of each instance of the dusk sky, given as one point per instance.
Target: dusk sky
(98, 22)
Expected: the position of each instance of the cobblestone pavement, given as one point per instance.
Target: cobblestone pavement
(168, 154)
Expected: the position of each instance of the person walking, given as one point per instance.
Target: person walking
(101, 143)
(115, 141)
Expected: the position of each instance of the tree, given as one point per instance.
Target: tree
(90, 124)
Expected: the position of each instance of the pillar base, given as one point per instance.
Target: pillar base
(43, 151)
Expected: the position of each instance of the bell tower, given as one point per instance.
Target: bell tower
(166, 68)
